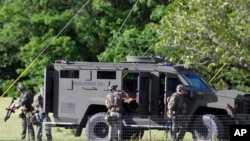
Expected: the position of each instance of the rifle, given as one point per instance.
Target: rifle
(9, 110)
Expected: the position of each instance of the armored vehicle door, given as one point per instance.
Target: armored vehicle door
(171, 81)
(143, 92)
(48, 89)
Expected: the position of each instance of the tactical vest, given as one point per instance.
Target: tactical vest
(180, 104)
(116, 101)
(26, 101)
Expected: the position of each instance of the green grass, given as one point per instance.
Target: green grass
(10, 130)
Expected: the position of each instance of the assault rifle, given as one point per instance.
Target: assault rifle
(9, 110)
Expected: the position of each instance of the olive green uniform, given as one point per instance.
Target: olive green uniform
(177, 107)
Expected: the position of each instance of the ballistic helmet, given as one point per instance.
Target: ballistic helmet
(20, 86)
(180, 87)
(112, 87)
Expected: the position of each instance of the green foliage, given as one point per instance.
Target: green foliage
(29, 34)
(204, 34)
(130, 42)
(136, 37)
(31, 27)
(207, 34)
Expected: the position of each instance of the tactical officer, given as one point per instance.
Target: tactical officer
(114, 104)
(25, 101)
(176, 112)
(41, 116)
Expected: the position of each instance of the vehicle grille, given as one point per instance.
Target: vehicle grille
(242, 104)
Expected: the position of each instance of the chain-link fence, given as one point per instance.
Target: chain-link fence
(142, 128)
(154, 128)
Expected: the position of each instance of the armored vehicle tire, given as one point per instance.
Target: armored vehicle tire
(97, 128)
(207, 127)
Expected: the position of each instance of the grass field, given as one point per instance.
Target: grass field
(10, 130)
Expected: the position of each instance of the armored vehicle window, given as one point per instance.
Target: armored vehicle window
(130, 76)
(106, 75)
(172, 83)
(196, 82)
(69, 73)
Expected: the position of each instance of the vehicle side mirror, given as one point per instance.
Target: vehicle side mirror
(189, 91)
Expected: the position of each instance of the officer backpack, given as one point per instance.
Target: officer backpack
(114, 99)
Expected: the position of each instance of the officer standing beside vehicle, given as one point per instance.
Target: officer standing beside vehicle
(114, 104)
(25, 101)
(176, 112)
(41, 116)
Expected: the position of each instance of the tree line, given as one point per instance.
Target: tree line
(202, 34)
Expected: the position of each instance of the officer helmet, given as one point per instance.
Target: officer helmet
(20, 86)
(112, 87)
(180, 87)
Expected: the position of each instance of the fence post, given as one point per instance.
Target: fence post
(149, 118)
(211, 128)
(89, 129)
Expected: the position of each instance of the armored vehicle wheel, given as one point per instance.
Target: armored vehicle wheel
(97, 128)
(207, 127)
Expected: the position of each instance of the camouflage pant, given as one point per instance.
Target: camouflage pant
(115, 127)
(178, 127)
(26, 124)
(42, 117)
